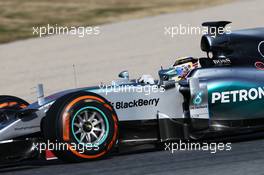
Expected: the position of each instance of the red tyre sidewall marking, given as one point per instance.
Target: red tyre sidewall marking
(3, 105)
(115, 132)
(12, 103)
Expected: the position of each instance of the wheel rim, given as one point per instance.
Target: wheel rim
(90, 126)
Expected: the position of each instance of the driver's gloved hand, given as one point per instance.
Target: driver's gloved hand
(147, 79)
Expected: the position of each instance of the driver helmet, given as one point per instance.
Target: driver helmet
(183, 66)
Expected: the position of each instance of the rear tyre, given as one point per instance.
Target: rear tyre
(85, 122)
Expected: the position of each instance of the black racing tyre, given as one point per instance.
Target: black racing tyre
(11, 102)
(85, 122)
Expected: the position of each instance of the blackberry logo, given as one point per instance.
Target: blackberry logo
(136, 103)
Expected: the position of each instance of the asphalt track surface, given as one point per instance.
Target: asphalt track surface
(246, 157)
(141, 47)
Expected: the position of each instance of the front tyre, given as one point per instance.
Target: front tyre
(85, 122)
(11, 102)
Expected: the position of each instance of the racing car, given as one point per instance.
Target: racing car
(220, 94)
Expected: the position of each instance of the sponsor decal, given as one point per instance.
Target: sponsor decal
(221, 62)
(259, 65)
(198, 98)
(136, 103)
(238, 95)
(199, 103)
(27, 128)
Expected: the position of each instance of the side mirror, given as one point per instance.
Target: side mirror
(124, 74)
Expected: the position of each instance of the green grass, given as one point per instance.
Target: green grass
(17, 17)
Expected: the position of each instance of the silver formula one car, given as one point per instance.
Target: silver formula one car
(221, 94)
